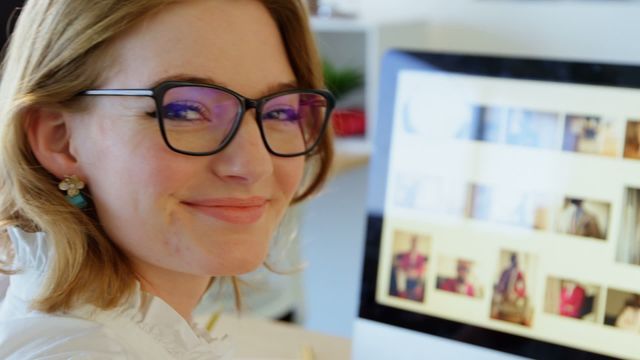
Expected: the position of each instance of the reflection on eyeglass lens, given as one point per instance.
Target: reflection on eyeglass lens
(201, 119)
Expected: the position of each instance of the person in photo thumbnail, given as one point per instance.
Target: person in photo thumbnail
(629, 317)
(590, 135)
(409, 268)
(623, 310)
(572, 299)
(511, 285)
(629, 241)
(511, 300)
(463, 282)
(576, 219)
(632, 140)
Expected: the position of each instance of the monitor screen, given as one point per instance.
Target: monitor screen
(504, 204)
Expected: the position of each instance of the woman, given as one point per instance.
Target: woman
(136, 167)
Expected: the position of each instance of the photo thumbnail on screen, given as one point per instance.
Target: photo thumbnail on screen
(409, 265)
(623, 310)
(572, 299)
(582, 217)
(458, 276)
(513, 291)
(628, 250)
(591, 135)
(632, 140)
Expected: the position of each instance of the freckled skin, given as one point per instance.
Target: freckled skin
(139, 185)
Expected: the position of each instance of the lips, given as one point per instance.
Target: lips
(242, 211)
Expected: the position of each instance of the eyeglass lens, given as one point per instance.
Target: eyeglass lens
(201, 119)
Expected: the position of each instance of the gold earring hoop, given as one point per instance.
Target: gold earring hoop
(72, 185)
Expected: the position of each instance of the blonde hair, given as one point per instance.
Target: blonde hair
(59, 48)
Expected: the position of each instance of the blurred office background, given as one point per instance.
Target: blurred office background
(333, 226)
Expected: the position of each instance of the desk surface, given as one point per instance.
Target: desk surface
(255, 338)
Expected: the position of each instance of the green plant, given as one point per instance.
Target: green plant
(341, 81)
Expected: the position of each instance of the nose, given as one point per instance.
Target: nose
(245, 159)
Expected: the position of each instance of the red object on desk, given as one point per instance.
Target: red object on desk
(348, 122)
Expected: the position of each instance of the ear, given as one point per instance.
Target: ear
(48, 134)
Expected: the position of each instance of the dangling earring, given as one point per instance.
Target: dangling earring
(72, 185)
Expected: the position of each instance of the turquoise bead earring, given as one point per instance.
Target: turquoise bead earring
(72, 185)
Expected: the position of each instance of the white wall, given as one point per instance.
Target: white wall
(604, 30)
(333, 231)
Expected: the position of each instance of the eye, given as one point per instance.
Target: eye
(282, 114)
(184, 111)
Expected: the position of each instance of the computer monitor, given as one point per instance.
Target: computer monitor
(9, 11)
(503, 210)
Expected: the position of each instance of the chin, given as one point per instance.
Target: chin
(234, 263)
(229, 252)
(247, 266)
(234, 269)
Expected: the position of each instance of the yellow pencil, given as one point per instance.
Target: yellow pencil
(213, 320)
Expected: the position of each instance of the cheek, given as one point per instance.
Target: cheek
(128, 176)
(288, 175)
(142, 184)
(126, 154)
(137, 207)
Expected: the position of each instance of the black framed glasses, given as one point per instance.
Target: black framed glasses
(201, 119)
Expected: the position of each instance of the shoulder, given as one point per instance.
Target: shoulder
(57, 337)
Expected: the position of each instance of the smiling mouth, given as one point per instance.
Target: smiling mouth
(234, 211)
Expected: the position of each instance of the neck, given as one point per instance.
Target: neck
(180, 290)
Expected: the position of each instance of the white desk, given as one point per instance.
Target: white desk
(255, 338)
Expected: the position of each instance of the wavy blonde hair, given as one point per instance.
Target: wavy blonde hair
(59, 48)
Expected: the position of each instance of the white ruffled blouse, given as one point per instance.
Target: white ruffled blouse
(145, 327)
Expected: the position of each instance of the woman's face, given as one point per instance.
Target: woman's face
(203, 215)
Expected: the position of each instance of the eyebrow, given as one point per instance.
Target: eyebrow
(273, 88)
